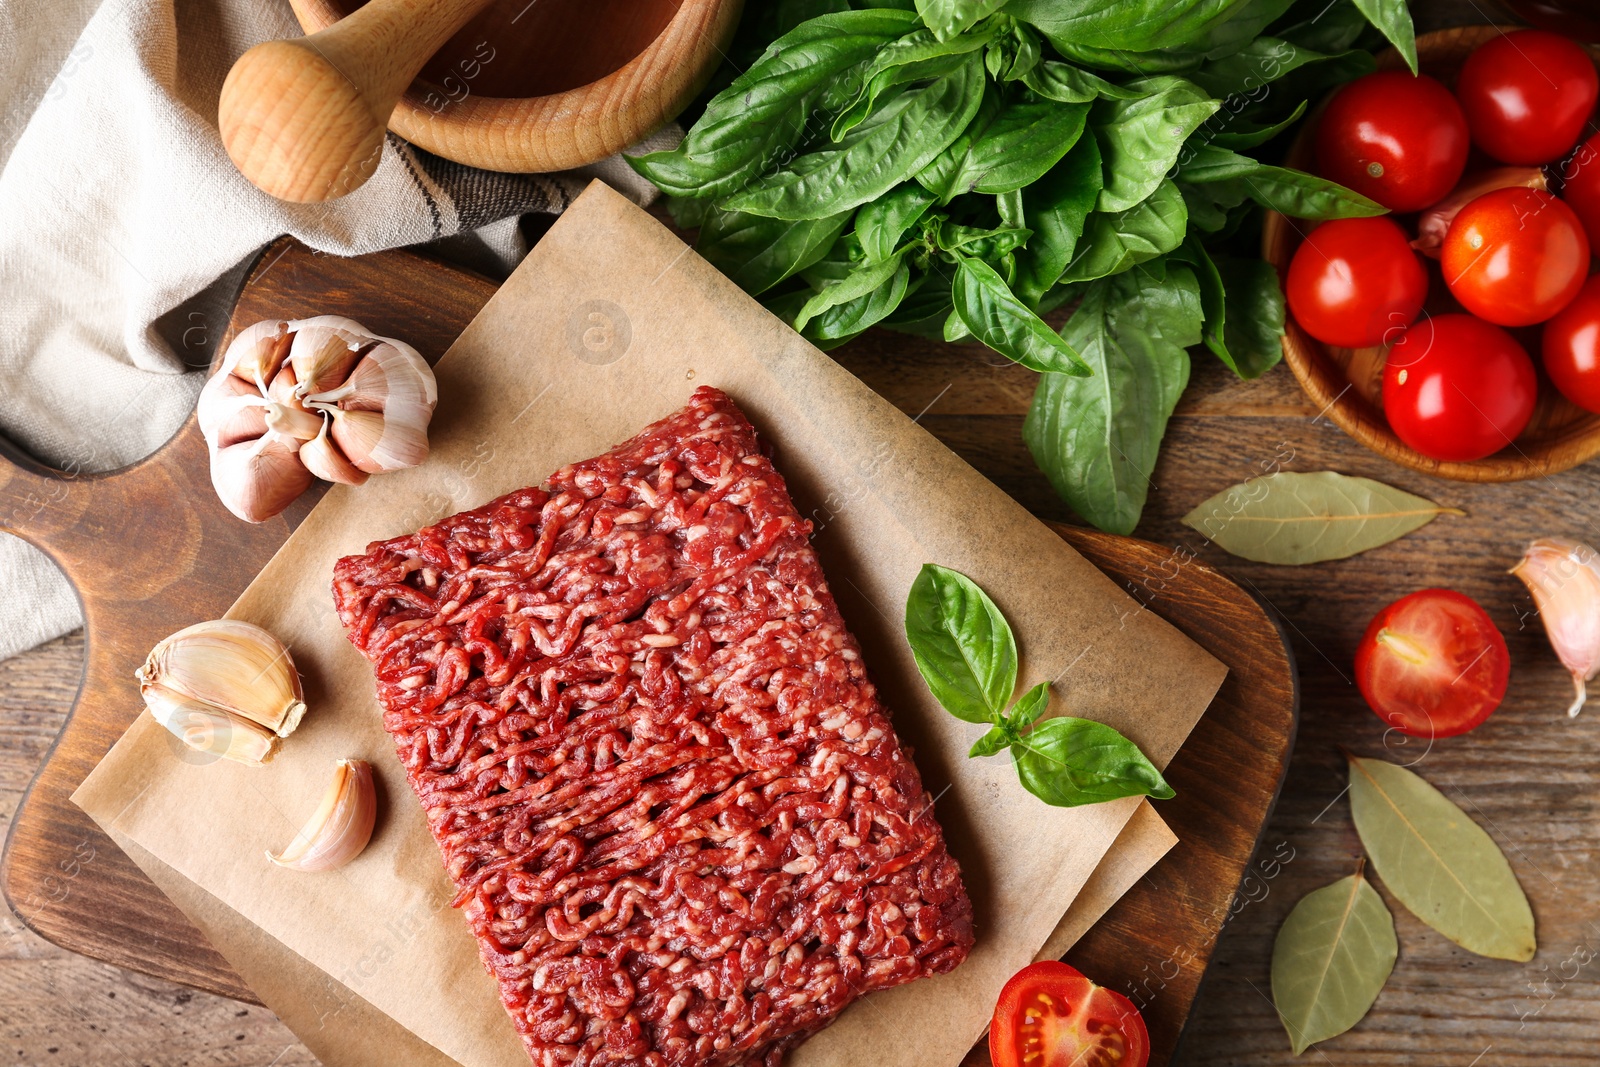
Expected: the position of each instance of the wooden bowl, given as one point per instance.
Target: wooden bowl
(1346, 384)
(546, 85)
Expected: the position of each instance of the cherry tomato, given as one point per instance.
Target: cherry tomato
(1515, 256)
(1582, 190)
(1527, 96)
(1572, 348)
(1457, 388)
(1050, 1015)
(1395, 137)
(1432, 664)
(1354, 280)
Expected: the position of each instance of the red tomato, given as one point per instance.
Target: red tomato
(1572, 348)
(1394, 137)
(1457, 388)
(1527, 96)
(1354, 280)
(1432, 664)
(1582, 190)
(1050, 1015)
(1515, 256)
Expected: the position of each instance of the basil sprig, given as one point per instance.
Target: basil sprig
(966, 653)
(960, 168)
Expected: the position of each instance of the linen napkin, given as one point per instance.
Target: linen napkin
(125, 231)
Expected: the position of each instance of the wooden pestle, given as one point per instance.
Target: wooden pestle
(305, 119)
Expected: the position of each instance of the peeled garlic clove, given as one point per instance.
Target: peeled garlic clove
(327, 462)
(390, 440)
(207, 728)
(258, 351)
(258, 479)
(390, 372)
(342, 824)
(1563, 576)
(227, 665)
(325, 348)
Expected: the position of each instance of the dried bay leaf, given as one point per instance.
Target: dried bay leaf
(1438, 862)
(1333, 954)
(1292, 518)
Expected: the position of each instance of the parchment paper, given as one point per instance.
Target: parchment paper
(609, 324)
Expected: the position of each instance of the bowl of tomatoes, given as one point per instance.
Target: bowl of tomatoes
(1458, 335)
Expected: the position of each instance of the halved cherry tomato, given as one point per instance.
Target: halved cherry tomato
(1433, 664)
(1527, 96)
(1352, 281)
(1582, 189)
(1457, 388)
(1050, 1015)
(1395, 137)
(1515, 256)
(1572, 348)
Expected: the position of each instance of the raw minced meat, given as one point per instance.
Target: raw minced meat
(682, 827)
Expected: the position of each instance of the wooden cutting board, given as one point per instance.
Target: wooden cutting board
(150, 550)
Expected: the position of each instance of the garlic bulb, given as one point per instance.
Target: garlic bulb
(1564, 578)
(226, 679)
(311, 397)
(342, 824)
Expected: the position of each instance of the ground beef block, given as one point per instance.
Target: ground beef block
(682, 827)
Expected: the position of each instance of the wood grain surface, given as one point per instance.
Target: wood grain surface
(1170, 921)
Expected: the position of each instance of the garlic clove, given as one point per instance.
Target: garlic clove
(390, 440)
(391, 371)
(228, 665)
(258, 351)
(1563, 577)
(325, 461)
(281, 389)
(234, 419)
(292, 421)
(325, 348)
(342, 824)
(220, 400)
(207, 728)
(258, 479)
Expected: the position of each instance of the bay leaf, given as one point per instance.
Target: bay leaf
(1333, 954)
(1293, 518)
(1438, 862)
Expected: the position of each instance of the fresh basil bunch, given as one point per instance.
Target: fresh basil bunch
(957, 168)
(966, 653)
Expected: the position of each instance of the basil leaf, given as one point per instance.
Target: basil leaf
(1213, 297)
(1242, 133)
(1256, 65)
(1067, 762)
(1328, 27)
(764, 112)
(757, 252)
(1394, 20)
(962, 644)
(1010, 208)
(1026, 137)
(946, 18)
(996, 740)
(1056, 208)
(889, 146)
(1140, 139)
(687, 214)
(882, 224)
(1029, 707)
(864, 281)
(1253, 333)
(1096, 437)
(1209, 206)
(994, 315)
(1293, 192)
(1012, 57)
(927, 304)
(1438, 862)
(1112, 242)
(1330, 960)
(1072, 85)
(1197, 26)
(914, 57)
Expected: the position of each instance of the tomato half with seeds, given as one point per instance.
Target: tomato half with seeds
(1050, 1015)
(1433, 664)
